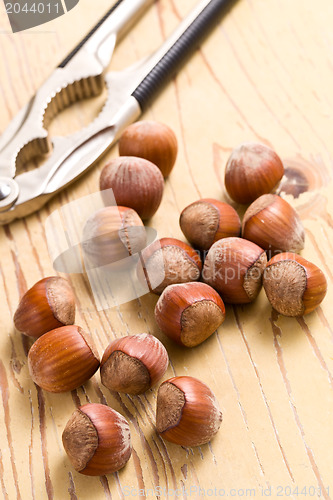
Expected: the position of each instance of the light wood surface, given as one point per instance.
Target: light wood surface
(265, 74)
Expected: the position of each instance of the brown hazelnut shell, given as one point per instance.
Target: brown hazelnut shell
(49, 304)
(97, 440)
(252, 170)
(273, 224)
(207, 220)
(187, 412)
(189, 313)
(134, 363)
(234, 268)
(112, 234)
(293, 285)
(151, 140)
(136, 183)
(63, 359)
(168, 261)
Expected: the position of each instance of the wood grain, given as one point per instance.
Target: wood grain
(264, 74)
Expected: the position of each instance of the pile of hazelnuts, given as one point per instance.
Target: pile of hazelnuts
(224, 261)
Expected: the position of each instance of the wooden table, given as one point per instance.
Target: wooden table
(265, 74)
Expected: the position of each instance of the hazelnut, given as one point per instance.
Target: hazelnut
(168, 261)
(189, 313)
(273, 224)
(206, 221)
(187, 412)
(151, 140)
(252, 170)
(234, 267)
(136, 183)
(49, 304)
(62, 359)
(134, 363)
(112, 234)
(293, 285)
(97, 440)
